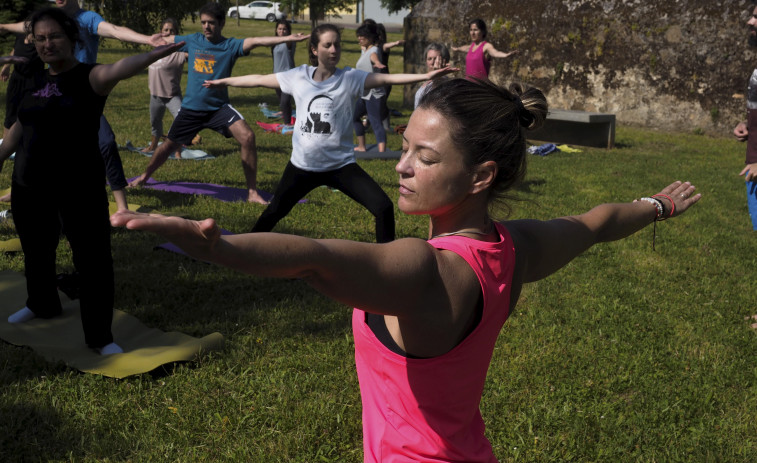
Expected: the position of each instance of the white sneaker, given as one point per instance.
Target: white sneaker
(5, 215)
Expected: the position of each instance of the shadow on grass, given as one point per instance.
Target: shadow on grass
(33, 434)
(198, 298)
(21, 363)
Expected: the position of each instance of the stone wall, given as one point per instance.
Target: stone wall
(675, 64)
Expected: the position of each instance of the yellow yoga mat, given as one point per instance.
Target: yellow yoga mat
(62, 338)
(11, 245)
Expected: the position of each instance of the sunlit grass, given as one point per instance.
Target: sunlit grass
(627, 354)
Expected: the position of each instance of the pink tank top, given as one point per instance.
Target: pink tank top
(476, 64)
(428, 409)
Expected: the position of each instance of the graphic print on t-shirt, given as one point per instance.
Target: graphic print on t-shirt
(204, 63)
(320, 116)
(50, 90)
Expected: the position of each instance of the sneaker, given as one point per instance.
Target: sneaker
(5, 215)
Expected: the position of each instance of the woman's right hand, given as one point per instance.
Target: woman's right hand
(195, 237)
(218, 83)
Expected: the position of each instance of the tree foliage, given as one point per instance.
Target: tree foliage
(318, 8)
(393, 6)
(13, 11)
(145, 16)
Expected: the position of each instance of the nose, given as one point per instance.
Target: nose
(403, 165)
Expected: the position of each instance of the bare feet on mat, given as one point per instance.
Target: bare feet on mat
(254, 197)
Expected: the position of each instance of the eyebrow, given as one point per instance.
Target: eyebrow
(420, 146)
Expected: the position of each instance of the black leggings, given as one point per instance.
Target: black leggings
(351, 180)
(83, 213)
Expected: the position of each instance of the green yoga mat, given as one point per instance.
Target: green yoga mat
(61, 338)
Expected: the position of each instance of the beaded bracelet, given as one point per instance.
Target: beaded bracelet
(660, 213)
(657, 204)
(672, 204)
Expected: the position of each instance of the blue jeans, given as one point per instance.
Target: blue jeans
(751, 201)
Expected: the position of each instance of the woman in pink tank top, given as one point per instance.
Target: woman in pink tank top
(480, 52)
(429, 310)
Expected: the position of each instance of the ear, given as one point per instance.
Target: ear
(483, 176)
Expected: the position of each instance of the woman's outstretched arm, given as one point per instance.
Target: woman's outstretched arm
(104, 77)
(374, 80)
(248, 81)
(547, 246)
(393, 278)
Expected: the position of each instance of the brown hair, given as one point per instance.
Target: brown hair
(315, 39)
(488, 123)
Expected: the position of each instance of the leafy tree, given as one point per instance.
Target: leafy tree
(145, 16)
(393, 6)
(13, 11)
(318, 8)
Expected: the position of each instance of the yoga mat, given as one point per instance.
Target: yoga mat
(372, 152)
(276, 128)
(220, 192)
(173, 248)
(270, 113)
(186, 153)
(61, 338)
(113, 207)
(11, 245)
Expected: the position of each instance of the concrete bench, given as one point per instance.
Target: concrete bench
(577, 128)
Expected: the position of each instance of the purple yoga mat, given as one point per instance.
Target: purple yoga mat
(220, 192)
(173, 248)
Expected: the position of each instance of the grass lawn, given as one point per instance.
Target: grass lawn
(627, 354)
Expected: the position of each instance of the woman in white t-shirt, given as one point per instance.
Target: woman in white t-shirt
(164, 81)
(322, 147)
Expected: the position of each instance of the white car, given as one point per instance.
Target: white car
(270, 11)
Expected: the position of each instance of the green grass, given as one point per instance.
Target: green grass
(625, 355)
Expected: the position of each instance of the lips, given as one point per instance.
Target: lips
(405, 190)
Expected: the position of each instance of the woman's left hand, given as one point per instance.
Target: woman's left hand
(442, 72)
(299, 37)
(682, 195)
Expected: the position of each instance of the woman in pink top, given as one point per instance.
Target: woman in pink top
(480, 52)
(430, 310)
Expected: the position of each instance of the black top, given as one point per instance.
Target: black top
(60, 117)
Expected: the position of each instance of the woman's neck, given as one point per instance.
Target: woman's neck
(323, 72)
(59, 67)
(472, 222)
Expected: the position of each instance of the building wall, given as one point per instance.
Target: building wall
(676, 64)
